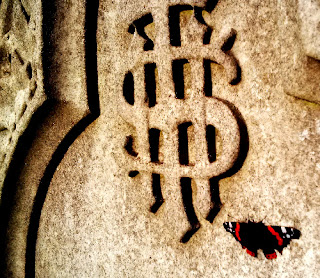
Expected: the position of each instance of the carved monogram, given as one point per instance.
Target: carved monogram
(168, 91)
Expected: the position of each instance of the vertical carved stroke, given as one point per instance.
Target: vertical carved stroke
(157, 193)
(174, 23)
(91, 18)
(186, 192)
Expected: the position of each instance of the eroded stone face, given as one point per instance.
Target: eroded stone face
(309, 13)
(200, 122)
(21, 91)
(132, 205)
(302, 67)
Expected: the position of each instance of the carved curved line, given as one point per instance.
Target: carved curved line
(94, 107)
(243, 151)
(244, 140)
(43, 190)
(9, 189)
(140, 24)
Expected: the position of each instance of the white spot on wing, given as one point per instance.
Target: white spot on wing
(284, 230)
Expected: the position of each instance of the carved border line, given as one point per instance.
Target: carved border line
(93, 102)
(32, 100)
(18, 242)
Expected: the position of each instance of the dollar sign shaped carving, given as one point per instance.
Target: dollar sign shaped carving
(156, 95)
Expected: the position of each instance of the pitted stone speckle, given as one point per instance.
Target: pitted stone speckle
(96, 220)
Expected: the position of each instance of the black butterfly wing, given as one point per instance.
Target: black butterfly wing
(277, 238)
(270, 242)
(253, 236)
(245, 234)
(285, 235)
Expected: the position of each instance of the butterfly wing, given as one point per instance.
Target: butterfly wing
(277, 238)
(234, 229)
(242, 232)
(253, 236)
(285, 235)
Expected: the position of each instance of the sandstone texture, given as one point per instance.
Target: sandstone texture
(148, 124)
(21, 73)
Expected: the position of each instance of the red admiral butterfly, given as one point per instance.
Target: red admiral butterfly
(253, 236)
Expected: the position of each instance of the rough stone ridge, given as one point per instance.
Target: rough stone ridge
(20, 73)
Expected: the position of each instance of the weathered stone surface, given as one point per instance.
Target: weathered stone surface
(301, 50)
(20, 73)
(309, 13)
(119, 180)
(51, 130)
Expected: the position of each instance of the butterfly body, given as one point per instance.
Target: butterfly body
(253, 236)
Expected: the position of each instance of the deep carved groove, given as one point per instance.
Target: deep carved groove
(128, 88)
(211, 143)
(129, 146)
(178, 77)
(26, 15)
(9, 189)
(94, 107)
(154, 136)
(29, 71)
(244, 140)
(156, 190)
(140, 25)
(44, 187)
(228, 44)
(226, 47)
(238, 77)
(150, 83)
(33, 90)
(174, 23)
(215, 199)
(187, 150)
(183, 143)
(211, 4)
(207, 78)
(198, 15)
(19, 57)
(133, 174)
(186, 191)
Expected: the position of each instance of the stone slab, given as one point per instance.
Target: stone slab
(135, 189)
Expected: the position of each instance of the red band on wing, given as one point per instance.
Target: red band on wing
(272, 231)
(253, 254)
(271, 256)
(237, 230)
